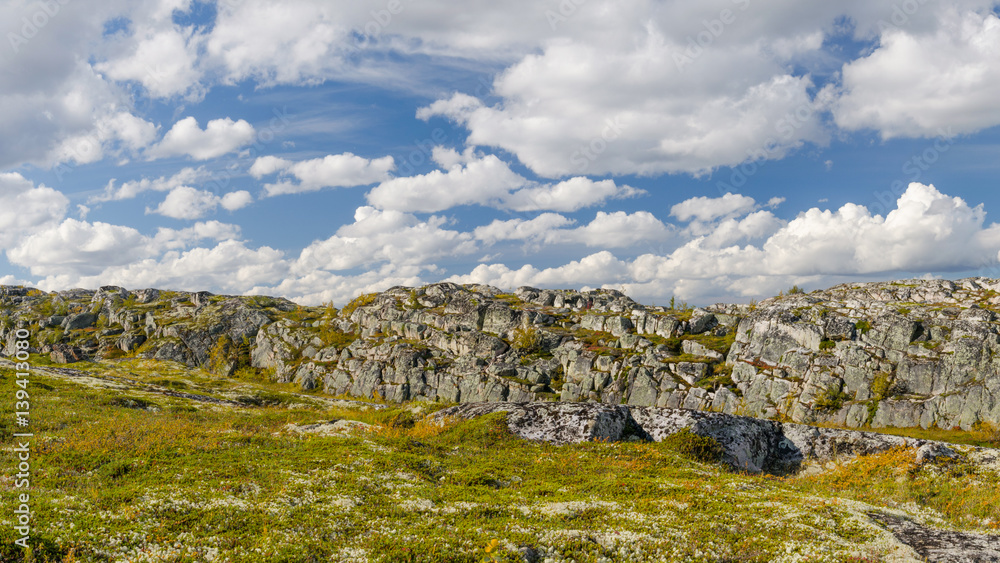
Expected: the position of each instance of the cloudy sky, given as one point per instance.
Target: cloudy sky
(712, 150)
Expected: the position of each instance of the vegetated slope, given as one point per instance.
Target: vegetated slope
(148, 460)
(895, 354)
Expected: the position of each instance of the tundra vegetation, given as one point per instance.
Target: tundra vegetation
(190, 427)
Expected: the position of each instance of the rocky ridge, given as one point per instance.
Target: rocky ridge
(899, 354)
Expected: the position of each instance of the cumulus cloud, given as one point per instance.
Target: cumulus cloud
(610, 230)
(229, 266)
(482, 181)
(162, 57)
(332, 171)
(390, 236)
(185, 202)
(622, 121)
(25, 208)
(569, 195)
(928, 231)
(711, 208)
(486, 180)
(926, 83)
(186, 138)
(521, 229)
(236, 200)
(78, 247)
(132, 188)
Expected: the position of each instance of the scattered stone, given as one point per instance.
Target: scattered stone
(65, 354)
(933, 452)
(333, 427)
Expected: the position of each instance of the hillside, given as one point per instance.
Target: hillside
(462, 424)
(897, 354)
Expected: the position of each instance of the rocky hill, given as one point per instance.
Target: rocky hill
(901, 354)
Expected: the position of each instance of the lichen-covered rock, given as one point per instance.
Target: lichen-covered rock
(64, 354)
(555, 423)
(896, 354)
(748, 444)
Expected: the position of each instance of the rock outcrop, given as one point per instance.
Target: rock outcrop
(894, 354)
(749, 444)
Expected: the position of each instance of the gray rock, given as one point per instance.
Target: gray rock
(65, 354)
(932, 452)
(555, 423)
(79, 321)
(942, 546)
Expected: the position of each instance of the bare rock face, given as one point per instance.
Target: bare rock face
(895, 354)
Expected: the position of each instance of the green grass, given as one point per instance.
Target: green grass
(190, 482)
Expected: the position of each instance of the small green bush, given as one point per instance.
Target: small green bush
(881, 385)
(863, 326)
(693, 446)
(827, 344)
(359, 301)
(831, 400)
(527, 340)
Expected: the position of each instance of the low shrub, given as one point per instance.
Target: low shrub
(694, 446)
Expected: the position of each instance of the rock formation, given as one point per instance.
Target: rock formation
(910, 353)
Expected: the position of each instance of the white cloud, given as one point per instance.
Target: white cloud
(319, 286)
(486, 180)
(483, 181)
(521, 229)
(569, 195)
(236, 200)
(160, 58)
(25, 208)
(634, 111)
(616, 230)
(185, 202)
(928, 231)
(133, 188)
(388, 236)
(174, 239)
(609, 230)
(936, 82)
(229, 266)
(265, 165)
(78, 247)
(219, 137)
(331, 171)
(710, 208)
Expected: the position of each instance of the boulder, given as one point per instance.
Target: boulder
(79, 321)
(65, 354)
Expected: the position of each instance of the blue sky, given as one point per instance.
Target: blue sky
(716, 150)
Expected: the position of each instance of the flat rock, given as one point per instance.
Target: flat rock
(333, 427)
(555, 423)
(942, 546)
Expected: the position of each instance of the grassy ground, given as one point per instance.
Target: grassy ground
(185, 480)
